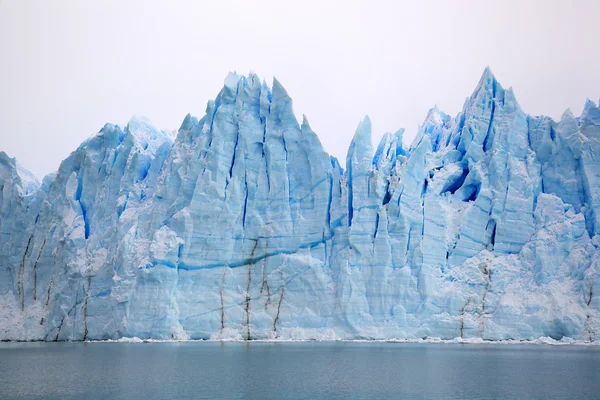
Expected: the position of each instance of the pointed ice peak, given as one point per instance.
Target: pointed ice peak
(363, 132)
(400, 142)
(432, 126)
(109, 132)
(568, 114)
(487, 78)
(6, 160)
(252, 85)
(231, 81)
(386, 138)
(29, 181)
(139, 125)
(487, 83)
(589, 104)
(568, 123)
(435, 116)
(145, 134)
(278, 90)
(282, 104)
(385, 154)
(434, 112)
(335, 164)
(509, 101)
(389, 140)
(230, 88)
(239, 88)
(400, 134)
(305, 124)
(310, 136)
(591, 114)
(361, 147)
(188, 122)
(265, 91)
(210, 108)
(487, 73)
(265, 100)
(253, 79)
(139, 120)
(107, 128)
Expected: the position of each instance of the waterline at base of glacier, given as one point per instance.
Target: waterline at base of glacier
(474, 341)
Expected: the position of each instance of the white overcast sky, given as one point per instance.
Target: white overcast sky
(67, 67)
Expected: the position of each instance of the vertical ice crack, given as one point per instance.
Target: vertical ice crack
(281, 293)
(237, 138)
(176, 288)
(247, 302)
(329, 200)
(376, 227)
(349, 186)
(408, 239)
(388, 196)
(487, 272)
(245, 207)
(49, 290)
(486, 143)
(35, 270)
(590, 331)
(489, 141)
(85, 305)
(78, 193)
(462, 318)
(86, 224)
(586, 198)
(221, 297)
(20, 282)
(50, 285)
(264, 156)
(247, 297)
(423, 192)
(287, 173)
(235, 145)
(265, 283)
(62, 321)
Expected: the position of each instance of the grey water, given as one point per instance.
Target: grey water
(335, 370)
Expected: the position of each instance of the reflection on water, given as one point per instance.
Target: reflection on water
(211, 370)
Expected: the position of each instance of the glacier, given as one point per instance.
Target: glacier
(241, 226)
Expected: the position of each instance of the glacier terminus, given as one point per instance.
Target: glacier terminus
(242, 226)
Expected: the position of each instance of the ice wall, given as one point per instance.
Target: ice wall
(242, 226)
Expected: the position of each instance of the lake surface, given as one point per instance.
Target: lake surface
(212, 370)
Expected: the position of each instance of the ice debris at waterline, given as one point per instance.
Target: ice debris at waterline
(242, 226)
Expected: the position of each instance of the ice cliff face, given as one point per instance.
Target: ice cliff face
(243, 226)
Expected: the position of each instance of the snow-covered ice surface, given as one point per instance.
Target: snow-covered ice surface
(241, 226)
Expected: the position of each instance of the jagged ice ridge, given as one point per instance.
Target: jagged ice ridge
(242, 226)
